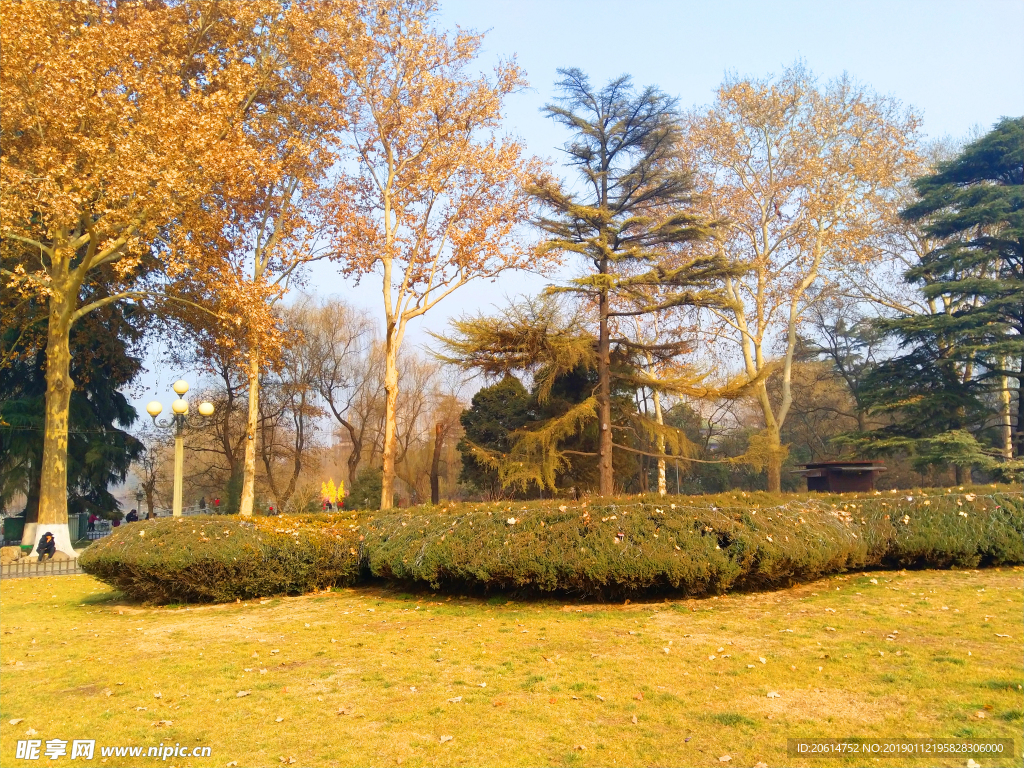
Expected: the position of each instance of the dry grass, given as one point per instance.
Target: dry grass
(364, 676)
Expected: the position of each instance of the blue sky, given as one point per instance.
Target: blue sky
(958, 62)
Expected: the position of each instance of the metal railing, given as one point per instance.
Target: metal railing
(21, 570)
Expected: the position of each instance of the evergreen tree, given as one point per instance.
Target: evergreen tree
(938, 393)
(976, 203)
(100, 450)
(628, 222)
(494, 414)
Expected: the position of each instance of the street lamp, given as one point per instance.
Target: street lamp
(139, 496)
(177, 421)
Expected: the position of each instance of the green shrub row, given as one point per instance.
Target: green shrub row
(691, 545)
(219, 559)
(695, 545)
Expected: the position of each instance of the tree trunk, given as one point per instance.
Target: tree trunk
(357, 449)
(774, 463)
(606, 483)
(28, 535)
(387, 491)
(1006, 427)
(53, 485)
(962, 475)
(662, 484)
(1020, 411)
(248, 499)
(435, 464)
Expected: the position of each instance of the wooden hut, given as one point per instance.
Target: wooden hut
(841, 476)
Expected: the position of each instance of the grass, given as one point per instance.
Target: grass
(537, 679)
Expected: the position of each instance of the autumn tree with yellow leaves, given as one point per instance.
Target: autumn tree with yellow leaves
(270, 215)
(437, 199)
(806, 177)
(118, 121)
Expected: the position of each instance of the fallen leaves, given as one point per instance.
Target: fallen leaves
(773, 695)
(634, 719)
(446, 738)
(455, 700)
(15, 721)
(240, 694)
(157, 695)
(725, 758)
(163, 724)
(278, 719)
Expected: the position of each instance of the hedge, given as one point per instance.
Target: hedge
(219, 558)
(684, 544)
(694, 545)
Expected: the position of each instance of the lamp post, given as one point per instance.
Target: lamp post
(139, 496)
(177, 421)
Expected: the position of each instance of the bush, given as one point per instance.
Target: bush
(696, 545)
(687, 544)
(366, 489)
(218, 559)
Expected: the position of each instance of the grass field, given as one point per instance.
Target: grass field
(371, 676)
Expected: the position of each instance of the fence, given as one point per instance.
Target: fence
(20, 570)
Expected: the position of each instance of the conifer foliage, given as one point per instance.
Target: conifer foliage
(629, 222)
(954, 361)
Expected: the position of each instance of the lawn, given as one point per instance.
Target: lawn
(372, 676)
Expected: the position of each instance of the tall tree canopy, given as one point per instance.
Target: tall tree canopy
(629, 221)
(436, 197)
(805, 175)
(975, 203)
(938, 391)
(117, 118)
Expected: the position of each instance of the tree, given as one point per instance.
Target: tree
(287, 434)
(438, 198)
(495, 413)
(270, 219)
(117, 117)
(975, 204)
(105, 359)
(634, 214)
(937, 391)
(805, 176)
(342, 346)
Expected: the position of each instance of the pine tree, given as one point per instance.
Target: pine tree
(938, 393)
(629, 222)
(976, 203)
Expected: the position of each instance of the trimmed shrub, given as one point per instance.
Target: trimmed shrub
(686, 544)
(218, 559)
(695, 545)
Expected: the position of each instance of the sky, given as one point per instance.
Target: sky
(959, 63)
